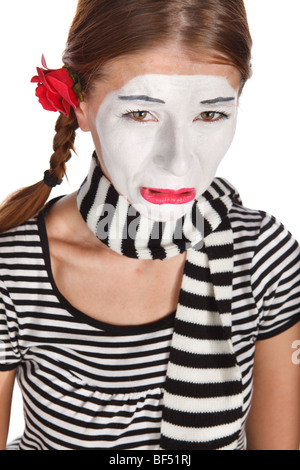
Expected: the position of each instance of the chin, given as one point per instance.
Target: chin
(164, 212)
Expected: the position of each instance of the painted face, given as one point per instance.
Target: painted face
(162, 138)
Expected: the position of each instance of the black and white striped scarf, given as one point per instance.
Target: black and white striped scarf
(202, 404)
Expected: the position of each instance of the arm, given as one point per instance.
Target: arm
(274, 419)
(6, 389)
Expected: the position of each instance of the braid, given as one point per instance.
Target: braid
(27, 202)
(63, 144)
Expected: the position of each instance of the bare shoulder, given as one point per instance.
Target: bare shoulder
(64, 223)
(72, 246)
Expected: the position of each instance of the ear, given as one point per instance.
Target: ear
(82, 116)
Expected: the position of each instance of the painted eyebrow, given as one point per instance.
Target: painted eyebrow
(218, 100)
(141, 98)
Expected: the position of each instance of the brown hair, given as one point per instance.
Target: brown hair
(103, 30)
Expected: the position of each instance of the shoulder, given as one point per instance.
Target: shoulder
(264, 230)
(20, 247)
(14, 239)
(269, 255)
(273, 248)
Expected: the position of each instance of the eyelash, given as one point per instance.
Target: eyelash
(127, 115)
(222, 116)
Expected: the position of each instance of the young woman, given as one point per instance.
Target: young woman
(150, 309)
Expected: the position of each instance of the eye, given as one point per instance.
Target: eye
(142, 116)
(211, 116)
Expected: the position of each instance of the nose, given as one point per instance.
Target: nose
(174, 153)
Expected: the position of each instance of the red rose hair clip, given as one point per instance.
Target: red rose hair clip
(58, 89)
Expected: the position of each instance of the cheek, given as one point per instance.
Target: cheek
(125, 144)
(212, 143)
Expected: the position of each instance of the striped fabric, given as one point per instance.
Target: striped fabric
(203, 398)
(71, 367)
(93, 387)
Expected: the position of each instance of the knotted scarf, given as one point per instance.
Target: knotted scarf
(202, 401)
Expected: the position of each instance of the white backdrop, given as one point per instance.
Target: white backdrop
(263, 162)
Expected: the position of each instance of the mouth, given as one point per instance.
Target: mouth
(168, 196)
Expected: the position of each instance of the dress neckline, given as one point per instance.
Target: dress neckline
(166, 322)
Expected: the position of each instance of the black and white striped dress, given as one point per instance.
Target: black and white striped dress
(90, 385)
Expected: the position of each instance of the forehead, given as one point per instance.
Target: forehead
(170, 62)
(168, 85)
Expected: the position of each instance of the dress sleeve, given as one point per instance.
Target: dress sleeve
(10, 356)
(276, 279)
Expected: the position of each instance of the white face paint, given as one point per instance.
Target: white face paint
(162, 138)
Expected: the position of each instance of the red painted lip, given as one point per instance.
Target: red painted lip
(168, 196)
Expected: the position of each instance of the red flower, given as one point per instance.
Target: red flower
(55, 89)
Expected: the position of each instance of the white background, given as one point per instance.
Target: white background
(263, 162)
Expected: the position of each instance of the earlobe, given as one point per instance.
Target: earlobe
(82, 117)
